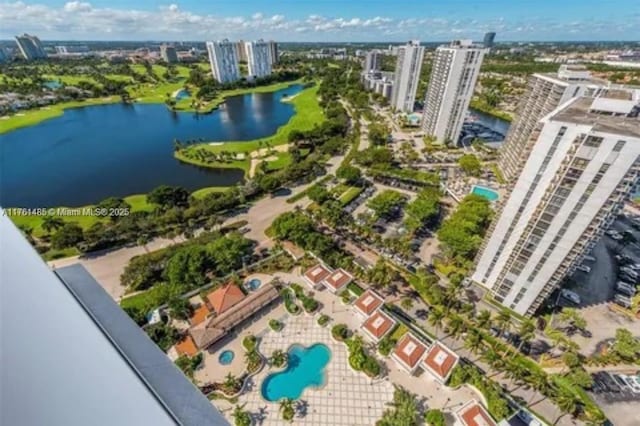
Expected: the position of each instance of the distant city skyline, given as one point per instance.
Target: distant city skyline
(331, 20)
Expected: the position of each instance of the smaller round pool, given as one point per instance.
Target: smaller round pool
(252, 284)
(226, 357)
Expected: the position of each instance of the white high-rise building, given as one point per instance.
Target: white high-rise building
(372, 61)
(273, 52)
(30, 47)
(545, 92)
(453, 78)
(168, 53)
(258, 58)
(407, 76)
(580, 165)
(224, 61)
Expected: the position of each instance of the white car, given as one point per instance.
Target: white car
(570, 295)
(622, 300)
(584, 268)
(589, 258)
(631, 382)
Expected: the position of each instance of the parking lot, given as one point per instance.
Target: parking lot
(596, 290)
(618, 395)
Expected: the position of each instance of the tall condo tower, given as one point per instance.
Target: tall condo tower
(407, 76)
(273, 52)
(224, 61)
(573, 183)
(258, 58)
(455, 71)
(372, 61)
(30, 47)
(545, 92)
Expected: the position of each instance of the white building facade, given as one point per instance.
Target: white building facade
(568, 192)
(545, 92)
(453, 77)
(407, 76)
(223, 59)
(258, 58)
(372, 61)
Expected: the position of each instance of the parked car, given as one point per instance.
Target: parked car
(622, 300)
(631, 382)
(625, 288)
(584, 268)
(570, 295)
(589, 258)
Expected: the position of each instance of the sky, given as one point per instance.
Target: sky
(322, 20)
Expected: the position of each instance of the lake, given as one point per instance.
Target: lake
(94, 152)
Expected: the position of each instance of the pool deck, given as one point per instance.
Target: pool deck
(349, 397)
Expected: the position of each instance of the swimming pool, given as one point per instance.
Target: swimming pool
(305, 369)
(182, 94)
(253, 284)
(226, 357)
(485, 192)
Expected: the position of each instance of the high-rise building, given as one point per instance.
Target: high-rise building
(372, 61)
(224, 60)
(4, 56)
(168, 53)
(273, 52)
(489, 39)
(407, 76)
(258, 58)
(241, 51)
(545, 92)
(583, 162)
(453, 78)
(30, 47)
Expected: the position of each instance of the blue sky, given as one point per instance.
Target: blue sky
(322, 20)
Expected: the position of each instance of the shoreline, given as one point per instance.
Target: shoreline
(32, 117)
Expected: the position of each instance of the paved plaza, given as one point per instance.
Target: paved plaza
(347, 398)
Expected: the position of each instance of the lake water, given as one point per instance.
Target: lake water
(95, 152)
(494, 123)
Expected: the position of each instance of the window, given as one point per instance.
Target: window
(593, 141)
(619, 146)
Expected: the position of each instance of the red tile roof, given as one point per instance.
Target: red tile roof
(225, 297)
(378, 325)
(200, 314)
(186, 347)
(440, 360)
(368, 302)
(338, 279)
(317, 273)
(474, 414)
(410, 351)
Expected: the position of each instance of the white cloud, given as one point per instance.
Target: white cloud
(77, 6)
(81, 20)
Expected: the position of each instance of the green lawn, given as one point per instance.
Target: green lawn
(350, 194)
(283, 159)
(201, 193)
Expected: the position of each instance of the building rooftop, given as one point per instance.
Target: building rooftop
(368, 302)
(474, 414)
(317, 273)
(101, 368)
(338, 279)
(186, 346)
(410, 350)
(440, 361)
(199, 314)
(608, 115)
(378, 324)
(225, 297)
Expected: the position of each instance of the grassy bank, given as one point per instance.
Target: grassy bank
(487, 109)
(308, 113)
(137, 202)
(139, 93)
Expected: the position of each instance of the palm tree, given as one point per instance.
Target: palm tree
(474, 341)
(494, 359)
(456, 326)
(567, 403)
(515, 371)
(503, 321)
(230, 381)
(240, 416)
(483, 320)
(51, 223)
(286, 406)
(436, 318)
(540, 382)
(278, 358)
(526, 331)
